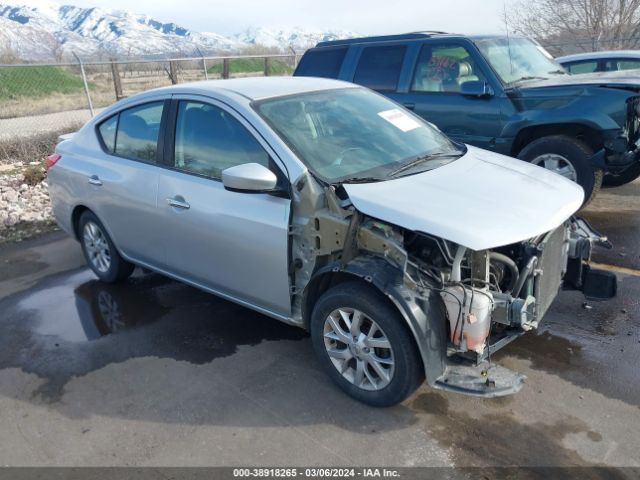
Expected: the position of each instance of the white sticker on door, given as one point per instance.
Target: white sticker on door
(399, 119)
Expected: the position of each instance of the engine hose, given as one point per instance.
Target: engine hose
(510, 264)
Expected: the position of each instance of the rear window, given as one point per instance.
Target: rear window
(379, 67)
(133, 133)
(321, 62)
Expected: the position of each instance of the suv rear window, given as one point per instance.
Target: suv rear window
(379, 67)
(321, 62)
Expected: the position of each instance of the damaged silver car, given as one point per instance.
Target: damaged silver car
(406, 255)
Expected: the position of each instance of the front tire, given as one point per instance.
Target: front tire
(100, 252)
(568, 157)
(364, 345)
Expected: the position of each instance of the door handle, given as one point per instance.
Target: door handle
(94, 180)
(410, 106)
(178, 202)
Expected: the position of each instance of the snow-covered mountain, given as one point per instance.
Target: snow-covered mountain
(46, 30)
(296, 37)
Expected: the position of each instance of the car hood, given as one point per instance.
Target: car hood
(482, 200)
(622, 79)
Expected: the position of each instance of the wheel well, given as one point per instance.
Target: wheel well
(588, 135)
(323, 282)
(75, 219)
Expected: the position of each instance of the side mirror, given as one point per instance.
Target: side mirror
(476, 88)
(249, 177)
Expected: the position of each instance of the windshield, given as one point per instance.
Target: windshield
(519, 59)
(355, 134)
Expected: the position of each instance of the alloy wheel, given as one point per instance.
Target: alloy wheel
(359, 349)
(557, 164)
(97, 247)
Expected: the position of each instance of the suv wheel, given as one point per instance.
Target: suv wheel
(100, 252)
(364, 345)
(568, 157)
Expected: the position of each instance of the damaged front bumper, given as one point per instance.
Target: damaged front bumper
(469, 370)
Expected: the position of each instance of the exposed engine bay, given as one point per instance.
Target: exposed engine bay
(461, 305)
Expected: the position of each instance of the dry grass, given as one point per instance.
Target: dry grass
(31, 149)
(102, 91)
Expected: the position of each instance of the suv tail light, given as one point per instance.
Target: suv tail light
(51, 160)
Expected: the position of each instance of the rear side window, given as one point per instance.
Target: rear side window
(138, 130)
(107, 131)
(583, 67)
(322, 62)
(379, 67)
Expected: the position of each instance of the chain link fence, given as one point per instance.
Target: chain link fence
(38, 102)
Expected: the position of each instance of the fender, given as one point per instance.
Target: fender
(424, 315)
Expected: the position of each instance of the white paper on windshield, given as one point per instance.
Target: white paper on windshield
(399, 119)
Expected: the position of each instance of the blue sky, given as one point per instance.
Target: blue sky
(368, 17)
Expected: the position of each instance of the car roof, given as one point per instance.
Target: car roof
(252, 88)
(600, 55)
(406, 36)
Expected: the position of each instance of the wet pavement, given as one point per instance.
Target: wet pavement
(153, 372)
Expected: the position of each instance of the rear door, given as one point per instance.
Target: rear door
(122, 181)
(233, 243)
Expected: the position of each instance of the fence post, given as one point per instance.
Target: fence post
(84, 80)
(266, 66)
(295, 57)
(173, 72)
(225, 68)
(204, 66)
(117, 83)
(204, 63)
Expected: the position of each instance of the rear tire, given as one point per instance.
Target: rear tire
(628, 176)
(380, 375)
(100, 252)
(572, 155)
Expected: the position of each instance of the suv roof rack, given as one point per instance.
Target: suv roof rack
(380, 38)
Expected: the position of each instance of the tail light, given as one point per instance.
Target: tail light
(51, 160)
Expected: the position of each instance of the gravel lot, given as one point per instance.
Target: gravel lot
(156, 373)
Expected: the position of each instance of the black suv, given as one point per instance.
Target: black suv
(505, 94)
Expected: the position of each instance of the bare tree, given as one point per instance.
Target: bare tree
(57, 51)
(8, 56)
(586, 24)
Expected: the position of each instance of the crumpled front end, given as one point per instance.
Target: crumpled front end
(622, 148)
(460, 304)
(494, 296)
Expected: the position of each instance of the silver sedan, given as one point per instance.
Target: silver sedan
(330, 207)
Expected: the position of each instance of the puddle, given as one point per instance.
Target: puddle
(74, 324)
(498, 438)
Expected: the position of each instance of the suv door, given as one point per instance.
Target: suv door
(233, 243)
(433, 91)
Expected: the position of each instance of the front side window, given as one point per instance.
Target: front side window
(583, 67)
(354, 134)
(444, 68)
(518, 59)
(379, 67)
(138, 130)
(209, 140)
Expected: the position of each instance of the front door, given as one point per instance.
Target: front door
(434, 94)
(231, 242)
